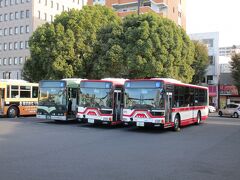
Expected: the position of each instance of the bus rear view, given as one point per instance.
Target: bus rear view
(101, 101)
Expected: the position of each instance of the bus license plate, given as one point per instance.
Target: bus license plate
(91, 121)
(141, 124)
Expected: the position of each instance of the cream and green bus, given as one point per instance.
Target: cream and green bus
(18, 97)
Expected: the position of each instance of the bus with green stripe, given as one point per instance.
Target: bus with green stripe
(58, 99)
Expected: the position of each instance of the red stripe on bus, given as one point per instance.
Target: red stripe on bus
(95, 110)
(188, 108)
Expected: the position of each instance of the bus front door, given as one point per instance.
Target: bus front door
(168, 107)
(117, 105)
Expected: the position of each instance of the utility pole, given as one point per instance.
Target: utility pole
(138, 7)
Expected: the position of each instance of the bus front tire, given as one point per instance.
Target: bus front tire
(176, 126)
(12, 112)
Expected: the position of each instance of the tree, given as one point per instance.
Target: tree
(146, 46)
(64, 48)
(236, 70)
(200, 62)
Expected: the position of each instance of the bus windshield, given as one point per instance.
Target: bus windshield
(52, 96)
(95, 97)
(144, 98)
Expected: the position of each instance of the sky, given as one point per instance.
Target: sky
(221, 16)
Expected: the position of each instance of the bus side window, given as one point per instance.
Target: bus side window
(34, 92)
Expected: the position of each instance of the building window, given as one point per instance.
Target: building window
(0, 61)
(6, 2)
(22, 1)
(5, 17)
(16, 1)
(27, 29)
(15, 45)
(15, 60)
(4, 61)
(20, 60)
(51, 4)
(211, 60)
(10, 31)
(1, 17)
(39, 14)
(208, 42)
(51, 18)
(63, 8)
(16, 15)
(1, 3)
(21, 44)
(45, 2)
(0, 46)
(57, 6)
(45, 16)
(16, 30)
(10, 46)
(5, 46)
(10, 61)
(179, 14)
(5, 31)
(11, 2)
(1, 32)
(26, 45)
(22, 14)
(39, 1)
(21, 29)
(27, 13)
(11, 16)
(210, 79)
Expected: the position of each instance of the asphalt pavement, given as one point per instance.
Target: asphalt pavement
(32, 149)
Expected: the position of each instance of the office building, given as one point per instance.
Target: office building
(229, 51)
(18, 20)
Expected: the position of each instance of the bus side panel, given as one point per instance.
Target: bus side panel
(27, 110)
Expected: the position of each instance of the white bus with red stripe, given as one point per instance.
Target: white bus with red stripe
(101, 101)
(163, 102)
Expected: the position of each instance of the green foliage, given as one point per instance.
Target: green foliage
(64, 48)
(200, 62)
(236, 70)
(95, 43)
(144, 46)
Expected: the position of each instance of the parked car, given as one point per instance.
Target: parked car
(211, 109)
(232, 110)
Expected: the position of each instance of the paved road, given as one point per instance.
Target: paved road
(36, 150)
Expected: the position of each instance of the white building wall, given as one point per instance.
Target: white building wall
(213, 69)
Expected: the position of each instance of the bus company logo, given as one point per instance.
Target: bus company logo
(91, 113)
(140, 115)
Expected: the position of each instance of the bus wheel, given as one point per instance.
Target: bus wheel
(198, 118)
(176, 126)
(12, 112)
